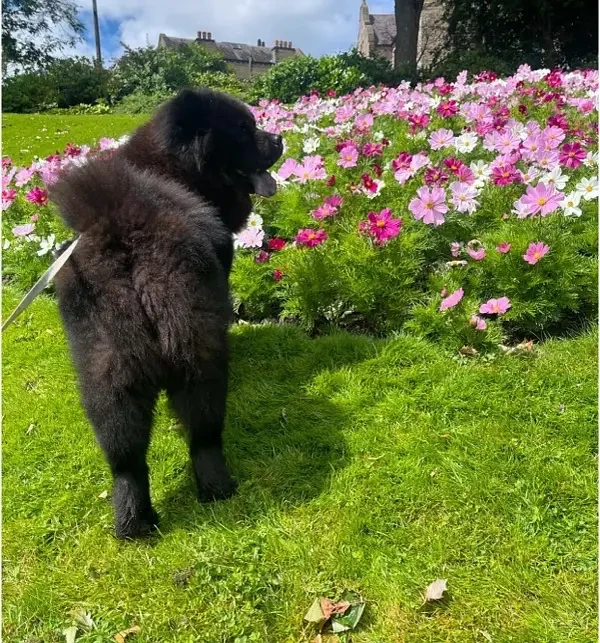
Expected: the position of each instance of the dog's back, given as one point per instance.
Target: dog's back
(149, 277)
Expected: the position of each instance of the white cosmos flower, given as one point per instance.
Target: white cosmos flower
(570, 204)
(311, 145)
(555, 178)
(46, 245)
(588, 188)
(254, 221)
(466, 142)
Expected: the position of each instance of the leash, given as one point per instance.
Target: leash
(40, 284)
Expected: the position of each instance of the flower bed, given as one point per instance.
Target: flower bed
(464, 211)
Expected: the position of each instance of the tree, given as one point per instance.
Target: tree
(543, 33)
(34, 30)
(408, 16)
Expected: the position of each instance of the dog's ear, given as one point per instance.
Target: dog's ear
(184, 124)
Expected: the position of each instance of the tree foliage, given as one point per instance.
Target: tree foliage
(543, 33)
(33, 31)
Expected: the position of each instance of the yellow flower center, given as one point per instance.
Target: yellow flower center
(537, 255)
(429, 205)
(380, 223)
(542, 201)
(312, 236)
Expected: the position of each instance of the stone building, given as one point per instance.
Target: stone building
(247, 60)
(377, 33)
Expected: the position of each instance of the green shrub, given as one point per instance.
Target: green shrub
(63, 83)
(139, 103)
(297, 76)
(161, 72)
(224, 82)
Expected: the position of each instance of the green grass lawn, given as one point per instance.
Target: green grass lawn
(26, 135)
(377, 466)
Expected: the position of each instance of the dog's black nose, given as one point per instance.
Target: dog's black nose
(277, 140)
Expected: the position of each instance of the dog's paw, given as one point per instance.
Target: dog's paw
(136, 527)
(220, 489)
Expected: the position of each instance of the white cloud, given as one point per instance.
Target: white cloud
(315, 26)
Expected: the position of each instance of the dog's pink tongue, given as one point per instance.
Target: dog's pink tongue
(263, 183)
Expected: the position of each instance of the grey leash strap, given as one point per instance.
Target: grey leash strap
(40, 284)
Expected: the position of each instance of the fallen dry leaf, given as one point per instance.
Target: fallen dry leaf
(469, 351)
(435, 591)
(121, 636)
(329, 608)
(103, 495)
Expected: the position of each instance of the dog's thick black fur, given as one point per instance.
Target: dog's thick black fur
(145, 298)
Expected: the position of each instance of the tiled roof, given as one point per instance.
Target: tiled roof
(384, 25)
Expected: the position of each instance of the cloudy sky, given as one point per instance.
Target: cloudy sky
(316, 26)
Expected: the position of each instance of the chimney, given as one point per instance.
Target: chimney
(205, 39)
(282, 50)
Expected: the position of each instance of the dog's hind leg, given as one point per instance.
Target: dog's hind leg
(122, 421)
(199, 401)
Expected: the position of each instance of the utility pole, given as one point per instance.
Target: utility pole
(97, 34)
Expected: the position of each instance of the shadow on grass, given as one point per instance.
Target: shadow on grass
(283, 438)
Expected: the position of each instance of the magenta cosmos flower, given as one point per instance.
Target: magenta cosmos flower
(542, 198)
(452, 300)
(430, 205)
(495, 306)
(38, 196)
(535, 251)
(505, 175)
(572, 155)
(8, 197)
(382, 227)
(503, 248)
(310, 238)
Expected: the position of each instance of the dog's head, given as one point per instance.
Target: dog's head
(214, 136)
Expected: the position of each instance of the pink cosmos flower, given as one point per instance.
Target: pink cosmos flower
(107, 144)
(383, 227)
(571, 155)
(50, 174)
(329, 207)
(463, 197)
(477, 322)
(344, 113)
(23, 230)
(363, 123)
(251, 237)
(552, 137)
(311, 169)
(503, 248)
(475, 250)
(8, 197)
(452, 300)
(505, 175)
(441, 138)
(23, 177)
(262, 257)
(290, 167)
(535, 251)
(311, 238)
(542, 198)
(348, 156)
(430, 205)
(418, 161)
(495, 306)
(455, 248)
(38, 196)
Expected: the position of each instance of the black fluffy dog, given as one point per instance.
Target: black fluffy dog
(145, 298)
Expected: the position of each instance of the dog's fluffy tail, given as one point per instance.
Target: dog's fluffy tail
(90, 194)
